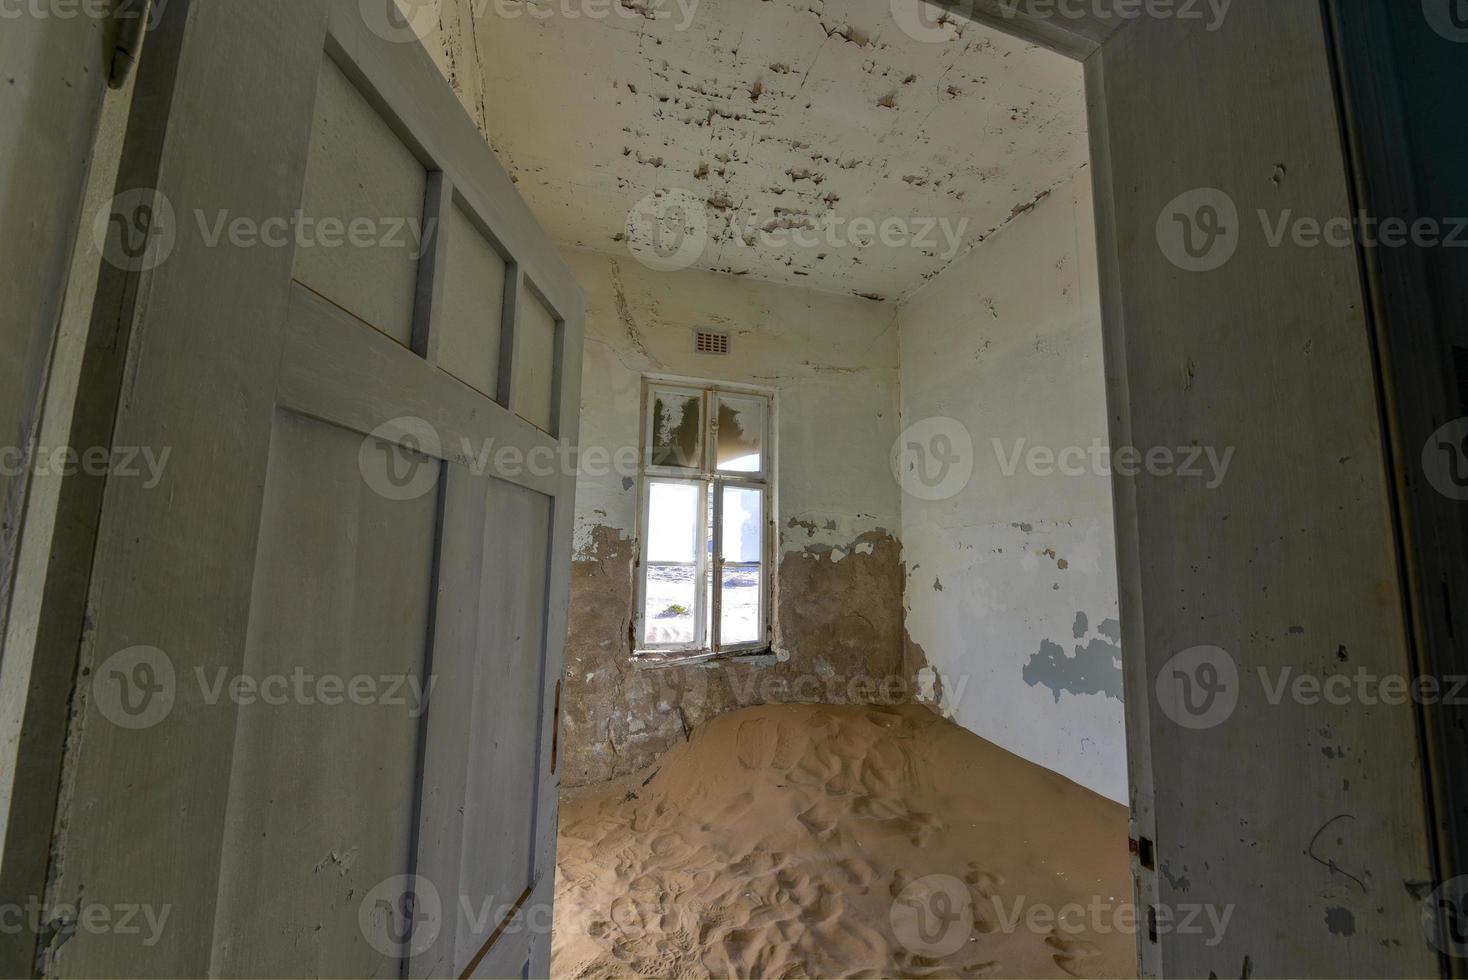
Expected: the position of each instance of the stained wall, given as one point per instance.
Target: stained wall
(831, 365)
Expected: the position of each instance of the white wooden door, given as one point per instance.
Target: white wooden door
(314, 727)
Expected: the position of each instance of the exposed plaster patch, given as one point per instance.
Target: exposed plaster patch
(1094, 668)
(838, 625)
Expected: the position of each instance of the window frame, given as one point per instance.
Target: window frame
(707, 643)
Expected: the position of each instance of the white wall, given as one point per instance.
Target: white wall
(830, 360)
(1011, 590)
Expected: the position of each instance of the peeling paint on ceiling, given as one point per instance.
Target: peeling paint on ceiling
(815, 142)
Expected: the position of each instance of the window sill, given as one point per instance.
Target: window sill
(657, 659)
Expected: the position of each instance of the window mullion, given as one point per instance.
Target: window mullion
(716, 617)
(700, 576)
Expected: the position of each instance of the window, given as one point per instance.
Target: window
(705, 525)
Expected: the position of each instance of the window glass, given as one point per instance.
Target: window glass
(677, 430)
(741, 581)
(741, 434)
(672, 573)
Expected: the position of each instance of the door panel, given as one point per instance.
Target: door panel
(337, 644)
(359, 170)
(332, 506)
(503, 750)
(536, 365)
(470, 334)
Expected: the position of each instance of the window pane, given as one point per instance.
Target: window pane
(741, 434)
(677, 430)
(743, 542)
(743, 522)
(672, 522)
(739, 619)
(671, 598)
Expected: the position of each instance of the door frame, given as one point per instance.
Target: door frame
(1411, 380)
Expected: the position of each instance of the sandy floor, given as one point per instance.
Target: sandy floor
(812, 841)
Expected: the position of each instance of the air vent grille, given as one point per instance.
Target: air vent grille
(710, 342)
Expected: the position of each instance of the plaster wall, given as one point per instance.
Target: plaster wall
(831, 363)
(1011, 592)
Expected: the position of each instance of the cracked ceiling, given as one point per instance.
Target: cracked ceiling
(786, 120)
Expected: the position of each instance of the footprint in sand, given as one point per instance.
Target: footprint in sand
(790, 744)
(1076, 956)
(820, 820)
(858, 872)
(922, 827)
(730, 812)
(755, 744)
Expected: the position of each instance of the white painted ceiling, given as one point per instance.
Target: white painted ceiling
(778, 116)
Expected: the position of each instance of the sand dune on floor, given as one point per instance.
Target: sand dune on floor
(821, 841)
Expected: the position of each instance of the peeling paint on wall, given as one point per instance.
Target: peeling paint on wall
(779, 115)
(1092, 668)
(1008, 344)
